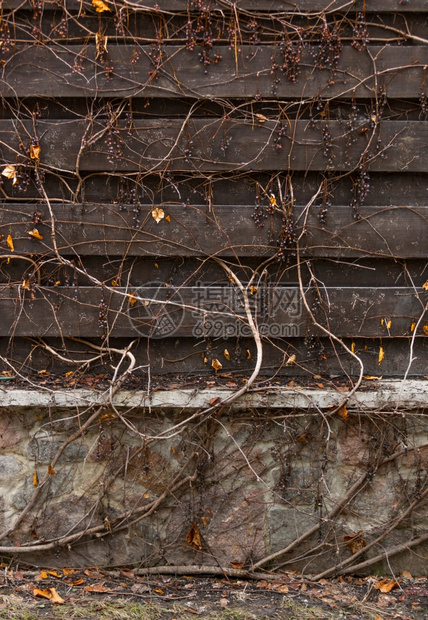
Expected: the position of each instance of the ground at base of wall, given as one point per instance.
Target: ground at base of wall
(97, 595)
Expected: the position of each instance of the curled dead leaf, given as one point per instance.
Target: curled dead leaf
(35, 234)
(343, 412)
(290, 360)
(355, 542)
(9, 242)
(386, 586)
(132, 299)
(34, 151)
(425, 329)
(10, 173)
(248, 354)
(425, 286)
(49, 593)
(381, 355)
(100, 6)
(226, 354)
(35, 480)
(158, 214)
(353, 347)
(412, 327)
(193, 537)
(216, 364)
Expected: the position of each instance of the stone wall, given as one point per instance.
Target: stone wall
(231, 489)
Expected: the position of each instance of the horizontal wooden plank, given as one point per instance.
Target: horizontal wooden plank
(181, 359)
(206, 311)
(50, 71)
(91, 229)
(286, 6)
(217, 145)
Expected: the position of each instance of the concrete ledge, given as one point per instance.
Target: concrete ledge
(386, 395)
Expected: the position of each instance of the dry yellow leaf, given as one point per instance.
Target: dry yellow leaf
(35, 151)
(51, 472)
(69, 373)
(132, 299)
(386, 586)
(35, 480)
(26, 284)
(9, 242)
(261, 118)
(343, 412)
(412, 327)
(9, 172)
(35, 234)
(248, 354)
(290, 360)
(425, 286)
(114, 283)
(353, 347)
(158, 214)
(272, 200)
(49, 593)
(372, 378)
(55, 574)
(168, 218)
(253, 290)
(100, 6)
(216, 364)
(389, 324)
(381, 355)
(425, 329)
(43, 574)
(406, 575)
(226, 354)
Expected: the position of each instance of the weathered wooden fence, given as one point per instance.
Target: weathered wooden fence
(141, 142)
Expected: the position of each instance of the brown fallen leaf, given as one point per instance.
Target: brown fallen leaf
(386, 586)
(290, 360)
(193, 537)
(356, 542)
(49, 593)
(343, 412)
(283, 589)
(96, 587)
(214, 401)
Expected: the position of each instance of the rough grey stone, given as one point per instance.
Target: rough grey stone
(57, 485)
(43, 450)
(9, 466)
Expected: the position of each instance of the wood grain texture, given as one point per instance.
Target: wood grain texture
(161, 145)
(90, 229)
(50, 71)
(210, 312)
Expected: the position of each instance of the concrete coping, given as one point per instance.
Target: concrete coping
(384, 395)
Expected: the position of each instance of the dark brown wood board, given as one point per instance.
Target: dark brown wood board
(162, 144)
(393, 231)
(50, 71)
(208, 312)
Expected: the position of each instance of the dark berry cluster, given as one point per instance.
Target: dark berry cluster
(360, 32)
